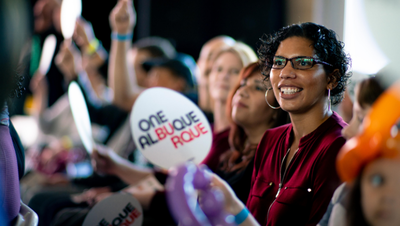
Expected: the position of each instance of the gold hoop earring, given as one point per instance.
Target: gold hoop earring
(266, 100)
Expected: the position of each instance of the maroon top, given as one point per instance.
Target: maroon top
(309, 182)
(219, 146)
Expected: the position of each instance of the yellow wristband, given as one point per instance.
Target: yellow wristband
(93, 46)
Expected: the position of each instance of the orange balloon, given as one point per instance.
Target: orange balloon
(375, 140)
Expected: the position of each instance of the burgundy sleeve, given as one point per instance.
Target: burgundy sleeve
(219, 145)
(326, 180)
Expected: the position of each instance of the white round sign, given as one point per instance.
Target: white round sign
(70, 11)
(49, 46)
(169, 129)
(81, 115)
(118, 209)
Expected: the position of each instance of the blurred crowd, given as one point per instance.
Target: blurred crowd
(280, 116)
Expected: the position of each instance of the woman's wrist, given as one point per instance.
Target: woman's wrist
(242, 216)
(122, 36)
(236, 207)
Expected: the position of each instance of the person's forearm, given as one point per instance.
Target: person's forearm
(236, 208)
(120, 78)
(130, 173)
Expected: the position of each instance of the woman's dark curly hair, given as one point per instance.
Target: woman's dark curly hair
(327, 47)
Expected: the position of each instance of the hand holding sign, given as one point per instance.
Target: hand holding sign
(83, 33)
(169, 129)
(181, 196)
(67, 61)
(105, 160)
(123, 17)
(81, 115)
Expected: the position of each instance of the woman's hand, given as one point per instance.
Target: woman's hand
(232, 204)
(65, 61)
(81, 38)
(100, 198)
(105, 160)
(123, 17)
(90, 195)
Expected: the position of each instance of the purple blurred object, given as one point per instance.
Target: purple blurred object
(182, 183)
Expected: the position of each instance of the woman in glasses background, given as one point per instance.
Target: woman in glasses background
(294, 173)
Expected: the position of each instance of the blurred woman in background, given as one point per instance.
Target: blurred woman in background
(365, 94)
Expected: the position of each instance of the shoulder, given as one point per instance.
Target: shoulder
(333, 134)
(277, 131)
(272, 137)
(332, 140)
(338, 121)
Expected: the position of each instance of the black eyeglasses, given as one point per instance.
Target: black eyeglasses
(300, 62)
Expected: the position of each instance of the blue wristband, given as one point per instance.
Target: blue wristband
(240, 217)
(121, 37)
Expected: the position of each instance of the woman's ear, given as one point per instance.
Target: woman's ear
(333, 79)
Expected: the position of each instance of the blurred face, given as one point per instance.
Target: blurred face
(164, 77)
(43, 13)
(207, 56)
(355, 125)
(380, 196)
(249, 108)
(224, 75)
(136, 58)
(345, 108)
(299, 91)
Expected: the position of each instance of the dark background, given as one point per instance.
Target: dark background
(188, 24)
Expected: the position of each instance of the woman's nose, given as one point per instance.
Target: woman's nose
(288, 71)
(243, 92)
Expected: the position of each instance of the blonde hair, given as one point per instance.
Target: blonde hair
(245, 53)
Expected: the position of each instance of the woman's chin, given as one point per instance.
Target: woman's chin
(291, 108)
(220, 96)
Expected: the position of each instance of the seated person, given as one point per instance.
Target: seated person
(365, 94)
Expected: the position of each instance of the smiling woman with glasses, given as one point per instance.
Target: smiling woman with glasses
(294, 173)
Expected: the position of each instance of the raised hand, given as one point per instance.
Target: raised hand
(123, 17)
(65, 61)
(81, 38)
